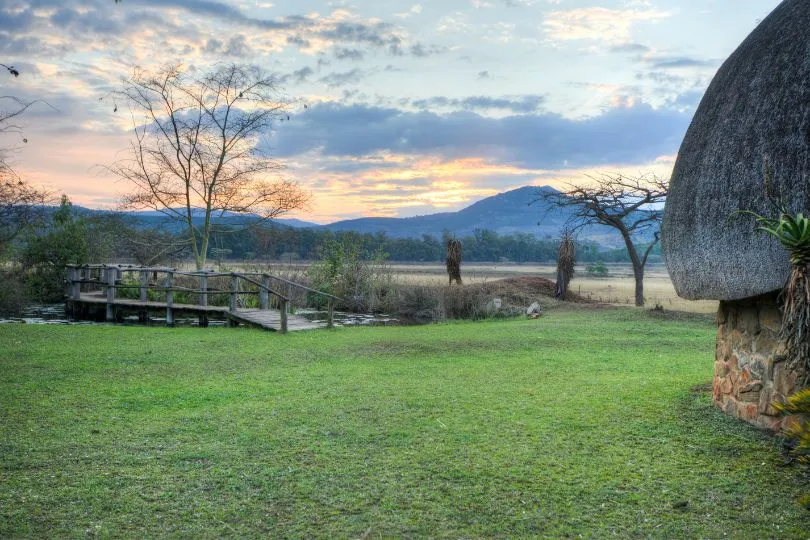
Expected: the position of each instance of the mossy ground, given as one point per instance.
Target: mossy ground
(581, 422)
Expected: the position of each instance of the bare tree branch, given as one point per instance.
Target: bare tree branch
(631, 205)
(197, 148)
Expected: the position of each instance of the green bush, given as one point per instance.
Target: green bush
(364, 285)
(13, 293)
(46, 256)
(597, 269)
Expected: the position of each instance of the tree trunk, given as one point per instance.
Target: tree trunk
(638, 267)
(638, 274)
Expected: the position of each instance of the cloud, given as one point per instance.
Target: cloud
(344, 78)
(676, 62)
(634, 134)
(522, 104)
(299, 41)
(598, 23)
(629, 48)
(348, 54)
(222, 11)
(422, 51)
(483, 75)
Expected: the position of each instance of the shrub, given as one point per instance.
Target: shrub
(364, 286)
(468, 302)
(13, 297)
(418, 303)
(597, 269)
(798, 431)
(46, 256)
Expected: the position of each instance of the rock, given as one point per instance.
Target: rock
(766, 403)
(497, 302)
(748, 322)
(766, 342)
(771, 319)
(534, 309)
(723, 350)
(722, 314)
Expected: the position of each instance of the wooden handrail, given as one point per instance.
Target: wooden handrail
(262, 286)
(294, 284)
(109, 279)
(198, 273)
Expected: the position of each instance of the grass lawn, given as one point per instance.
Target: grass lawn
(581, 422)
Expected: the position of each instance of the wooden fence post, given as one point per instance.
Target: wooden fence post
(234, 291)
(330, 314)
(169, 298)
(283, 310)
(74, 283)
(69, 273)
(144, 294)
(203, 317)
(111, 274)
(264, 295)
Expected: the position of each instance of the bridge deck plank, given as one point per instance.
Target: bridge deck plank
(268, 319)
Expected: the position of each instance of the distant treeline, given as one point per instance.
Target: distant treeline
(277, 243)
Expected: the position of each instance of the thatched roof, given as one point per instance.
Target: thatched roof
(756, 111)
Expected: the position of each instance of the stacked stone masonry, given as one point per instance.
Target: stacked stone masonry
(749, 368)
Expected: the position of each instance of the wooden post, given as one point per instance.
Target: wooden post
(264, 295)
(234, 290)
(111, 274)
(169, 298)
(144, 294)
(284, 315)
(75, 277)
(69, 273)
(330, 314)
(203, 316)
(81, 275)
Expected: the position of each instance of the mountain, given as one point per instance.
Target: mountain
(153, 218)
(515, 211)
(520, 210)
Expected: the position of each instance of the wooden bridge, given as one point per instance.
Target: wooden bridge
(239, 297)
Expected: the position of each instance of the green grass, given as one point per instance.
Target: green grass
(581, 422)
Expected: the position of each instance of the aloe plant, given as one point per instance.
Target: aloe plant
(793, 233)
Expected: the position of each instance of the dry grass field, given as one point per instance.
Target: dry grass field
(618, 288)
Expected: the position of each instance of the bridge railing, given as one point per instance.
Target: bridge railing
(147, 286)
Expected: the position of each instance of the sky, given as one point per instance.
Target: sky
(397, 108)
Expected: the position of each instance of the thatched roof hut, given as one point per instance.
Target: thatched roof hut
(756, 111)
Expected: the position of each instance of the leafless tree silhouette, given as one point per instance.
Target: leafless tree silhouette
(197, 149)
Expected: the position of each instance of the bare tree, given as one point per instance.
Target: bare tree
(196, 154)
(20, 203)
(631, 205)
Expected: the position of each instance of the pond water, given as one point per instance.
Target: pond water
(55, 314)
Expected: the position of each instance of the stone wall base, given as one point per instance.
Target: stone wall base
(749, 368)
